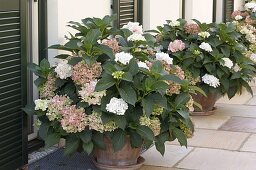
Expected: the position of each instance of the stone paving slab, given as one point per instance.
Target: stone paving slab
(215, 159)
(210, 122)
(250, 144)
(239, 124)
(145, 167)
(236, 110)
(216, 139)
(172, 155)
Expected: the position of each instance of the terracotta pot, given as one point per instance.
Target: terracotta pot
(207, 103)
(125, 157)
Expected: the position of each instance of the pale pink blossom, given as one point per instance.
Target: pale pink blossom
(176, 45)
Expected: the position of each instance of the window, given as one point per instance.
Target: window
(127, 10)
(228, 9)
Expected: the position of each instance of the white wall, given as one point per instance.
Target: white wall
(199, 9)
(60, 12)
(238, 4)
(156, 12)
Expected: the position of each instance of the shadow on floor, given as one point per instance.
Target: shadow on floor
(57, 161)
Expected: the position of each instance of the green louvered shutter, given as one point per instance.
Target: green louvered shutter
(228, 9)
(12, 84)
(127, 10)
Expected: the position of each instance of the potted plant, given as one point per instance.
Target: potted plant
(211, 53)
(111, 95)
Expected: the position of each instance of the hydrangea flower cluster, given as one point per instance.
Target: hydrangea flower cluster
(89, 95)
(153, 123)
(95, 123)
(136, 30)
(47, 90)
(143, 65)
(117, 106)
(63, 69)
(205, 46)
(113, 44)
(192, 29)
(174, 23)
(74, 119)
(164, 57)
(123, 57)
(227, 63)
(176, 45)
(92, 72)
(211, 80)
(41, 104)
(55, 106)
(204, 34)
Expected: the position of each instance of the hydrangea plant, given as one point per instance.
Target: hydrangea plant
(113, 82)
(211, 53)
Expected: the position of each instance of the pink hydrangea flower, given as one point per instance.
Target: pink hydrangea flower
(176, 45)
(74, 119)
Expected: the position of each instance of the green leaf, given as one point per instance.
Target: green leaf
(92, 36)
(43, 130)
(98, 140)
(127, 77)
(120, 121)
(225, 83)
(88, 147)
(29, 109)
(44, 64)
(198, 105)
(160, 85)
(157, 67)
(74, 60)
(60, 47)
(52, 139)
(118, 139)
(226, 51)
(105, 82)
(160, 147)
(34, 68)
(148, 105)
(62, 56)
(133, 67)
(136, 140)
(236, 75)
(145, 132)
(106, 50)
(247, 87)
(71, 146)
(159, 99)
(172, 78)
(72, 44)
(198, 89)
(180, 136)
(184, 114)
(128, 93)
(86, 136)
(182, 98)
(39, 81)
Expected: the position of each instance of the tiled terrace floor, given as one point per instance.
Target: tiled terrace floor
(223, 141)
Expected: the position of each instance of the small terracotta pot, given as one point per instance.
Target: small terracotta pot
(207, 103)
(125, 157)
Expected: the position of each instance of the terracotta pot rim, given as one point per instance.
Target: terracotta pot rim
(140, 162)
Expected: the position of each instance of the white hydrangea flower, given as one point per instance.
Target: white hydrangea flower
(211, 80)
(134, 27)
(237, 68)
(238, 17)
(164, 57)
(41, 104)
(206, 47)
(174, 23)
(227, 63)
(63, 69)
(204, 34)
(250, 5)
(143, 65)
(136, 37)
(123, 57)
(254, 9)
(117, 106)
(253, 57)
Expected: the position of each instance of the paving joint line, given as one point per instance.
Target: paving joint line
(175, 165)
